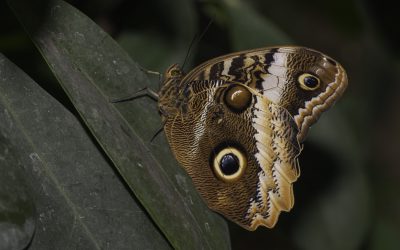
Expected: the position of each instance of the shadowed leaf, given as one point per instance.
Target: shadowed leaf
(80, 201)
(17, 216)
(93, 69)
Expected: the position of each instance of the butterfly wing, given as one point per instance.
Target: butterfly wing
(235, 124)
(275, 72)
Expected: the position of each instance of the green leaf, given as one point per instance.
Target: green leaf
(165, 35)
(385, 235)
(346, 201)
(249, 30)
(161, 55)
(80, 201)
(17, 220)
(93, 69)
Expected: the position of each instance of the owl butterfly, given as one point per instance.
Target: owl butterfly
(235, 123)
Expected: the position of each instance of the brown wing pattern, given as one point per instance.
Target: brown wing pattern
(196, 136)
(278, 149)
(250, 109)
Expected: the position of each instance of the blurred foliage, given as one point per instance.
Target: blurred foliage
(347, 196)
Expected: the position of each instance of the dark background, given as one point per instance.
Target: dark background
(348, 193)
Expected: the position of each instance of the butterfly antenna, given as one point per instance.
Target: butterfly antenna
(189, 50)
(195, 39)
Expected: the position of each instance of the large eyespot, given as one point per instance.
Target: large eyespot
(237, 98)
(229, 164)
(309, 82)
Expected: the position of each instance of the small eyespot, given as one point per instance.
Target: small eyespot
(229, 164)
(309, 82)
(173, 71)
(237, 98)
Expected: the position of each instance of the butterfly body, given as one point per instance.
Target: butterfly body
(235, 123)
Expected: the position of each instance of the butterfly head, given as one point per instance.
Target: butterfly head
(169, 89)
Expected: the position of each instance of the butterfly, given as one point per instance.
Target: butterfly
(236, 123)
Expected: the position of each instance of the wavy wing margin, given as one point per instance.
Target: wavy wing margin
(278, 151)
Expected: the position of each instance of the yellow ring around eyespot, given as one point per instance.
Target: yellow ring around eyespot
(242, 165)
(304, 86)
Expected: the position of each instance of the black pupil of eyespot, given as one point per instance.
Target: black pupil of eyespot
(311, 81)
(229, 164)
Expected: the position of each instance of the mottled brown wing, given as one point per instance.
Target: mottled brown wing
(275, 72)
(264, 133)
(235, 123)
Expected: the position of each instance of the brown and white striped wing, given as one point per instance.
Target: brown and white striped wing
(282, 91)
(277, 156)
(265, 134)
(275, 72)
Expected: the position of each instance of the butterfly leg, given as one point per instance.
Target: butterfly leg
(151, 72)
(146, 91)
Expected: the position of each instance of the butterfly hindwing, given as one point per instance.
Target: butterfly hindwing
(235, 123)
